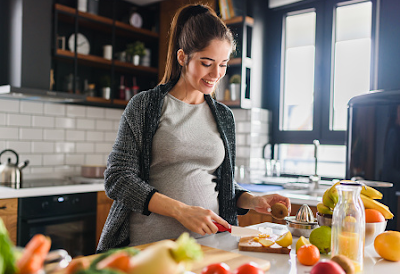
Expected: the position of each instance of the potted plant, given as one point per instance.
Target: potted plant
(136, 50)
(105, 83)
(234, 86)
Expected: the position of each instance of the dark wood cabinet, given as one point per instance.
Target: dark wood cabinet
(84, 69)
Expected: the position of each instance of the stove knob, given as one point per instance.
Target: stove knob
(45, 204)
(75, 201)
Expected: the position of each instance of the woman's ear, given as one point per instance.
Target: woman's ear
(181, 57)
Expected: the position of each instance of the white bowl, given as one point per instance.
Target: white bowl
(372, 230)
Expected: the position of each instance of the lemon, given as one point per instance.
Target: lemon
(265, 242)
(285, 240)
(302, 241)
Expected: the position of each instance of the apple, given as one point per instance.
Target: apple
(327, 267)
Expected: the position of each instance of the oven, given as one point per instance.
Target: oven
(69, 220)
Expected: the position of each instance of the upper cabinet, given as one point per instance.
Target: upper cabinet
(106, 50)
(235, 88)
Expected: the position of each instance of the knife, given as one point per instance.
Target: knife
(238, 231)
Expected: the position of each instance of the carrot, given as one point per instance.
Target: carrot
(119, 261)
(34, 254)
(76, 265)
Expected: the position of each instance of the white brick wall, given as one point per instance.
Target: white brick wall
(58, 137)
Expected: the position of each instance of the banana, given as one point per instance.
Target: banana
(371, 192)
(370, 203)
(327, 201)
(333, 193)
(323, 209)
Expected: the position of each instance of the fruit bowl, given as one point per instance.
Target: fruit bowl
(372, 230)
(324, 219)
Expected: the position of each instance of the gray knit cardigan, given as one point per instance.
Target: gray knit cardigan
(128, 165)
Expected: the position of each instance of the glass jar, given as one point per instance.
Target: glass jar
(348, 224)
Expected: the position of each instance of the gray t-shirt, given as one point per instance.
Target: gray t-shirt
(187, 149)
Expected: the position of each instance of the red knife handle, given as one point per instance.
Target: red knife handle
(221, 228)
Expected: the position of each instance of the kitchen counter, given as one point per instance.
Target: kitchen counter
(287, 263)
(7, 193)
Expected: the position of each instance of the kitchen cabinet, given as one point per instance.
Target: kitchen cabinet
(103, 207)
(240, 63)
(253, 217)
(79, 62)
(9, 214)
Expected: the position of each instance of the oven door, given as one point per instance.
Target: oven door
(74, 233)
(69, 220)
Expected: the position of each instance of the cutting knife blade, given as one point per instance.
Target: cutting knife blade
(238, 231)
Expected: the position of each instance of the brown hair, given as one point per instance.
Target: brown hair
(192, 29)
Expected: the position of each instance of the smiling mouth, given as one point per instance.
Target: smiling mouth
(209, 82)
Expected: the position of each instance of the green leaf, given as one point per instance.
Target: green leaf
(187, 249)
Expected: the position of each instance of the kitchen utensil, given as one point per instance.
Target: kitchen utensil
(238, 231)
(302, 223)
(92, 171)
(11, 173)
(324, 219)
(56, 260)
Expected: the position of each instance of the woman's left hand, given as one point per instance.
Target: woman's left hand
(263, 204)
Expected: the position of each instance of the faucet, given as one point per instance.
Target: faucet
(314, 179)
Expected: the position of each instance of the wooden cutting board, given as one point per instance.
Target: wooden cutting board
(248, 244)
(210, 255)
(234, 260)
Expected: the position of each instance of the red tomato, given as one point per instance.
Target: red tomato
(218, 268)
(248, 268)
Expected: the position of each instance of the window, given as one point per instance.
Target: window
(324, 55)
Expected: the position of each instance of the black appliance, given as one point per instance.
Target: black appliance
(373, 143)
(69, 220)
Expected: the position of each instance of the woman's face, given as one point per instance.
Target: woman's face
(207, 67)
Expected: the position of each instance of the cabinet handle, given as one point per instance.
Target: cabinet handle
(3, 207)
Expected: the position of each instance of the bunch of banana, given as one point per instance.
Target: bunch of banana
(368, 196)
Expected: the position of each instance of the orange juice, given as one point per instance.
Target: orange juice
(349, 244)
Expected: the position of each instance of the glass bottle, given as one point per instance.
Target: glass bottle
(348, 224)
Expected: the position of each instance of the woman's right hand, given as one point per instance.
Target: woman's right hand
(200, 220)
(194, 218)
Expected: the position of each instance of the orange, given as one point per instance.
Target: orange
(387, 245)
(308, 254)
(373, 216)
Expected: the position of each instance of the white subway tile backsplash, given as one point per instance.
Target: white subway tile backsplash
(241, 140)
(2, 118)
(30, 134)
(84, 147)
(62, 122)
(43, 121)
(9, 133)
(54, 134)
(65, 147)
(54, 109)
(116, 126)
(2, 145)
(240, 114)
(95, 159)
(75, 135)
(104, 125)
(21, 120)
(103, 147)
(243, 127)
(75, 159)
(76, 111)
(95, 112)
(34, 159)
(53, 160)
(19, 146)
(113, 113)
(110, 136)
(31, 107)
(42, 147)
(94, 136)
(41, 170)
(8, 106)
(85, 123)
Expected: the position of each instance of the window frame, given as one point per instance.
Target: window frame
(323, 82)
